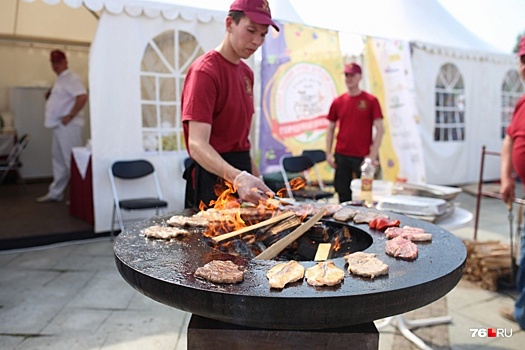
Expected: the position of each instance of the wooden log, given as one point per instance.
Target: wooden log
(253, 227)
(323, 252)
(278, 246)
(285, 224)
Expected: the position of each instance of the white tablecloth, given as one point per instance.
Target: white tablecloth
(81, 156)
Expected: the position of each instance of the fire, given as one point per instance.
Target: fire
(336, 243)
(295, 184)
(228, 207)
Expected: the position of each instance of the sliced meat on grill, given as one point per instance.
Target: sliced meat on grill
(218, 271)
(325, 273)
(157, 231)
(331, 209)
(415, 235)
(366, 265)
(284, 273)
(311, 208)
(192, 221)
(345, 214)
(402, 248)
(364, 217)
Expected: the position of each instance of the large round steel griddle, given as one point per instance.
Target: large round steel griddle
(163, 271)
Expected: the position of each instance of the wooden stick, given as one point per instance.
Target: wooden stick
(253, 227)
(278, 246)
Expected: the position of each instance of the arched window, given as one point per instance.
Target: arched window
(511, 89)
(450, 105)
(164, 65)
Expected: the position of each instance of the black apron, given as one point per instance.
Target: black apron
(200, 183)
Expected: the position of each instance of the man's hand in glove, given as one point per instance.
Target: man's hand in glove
(251, 188)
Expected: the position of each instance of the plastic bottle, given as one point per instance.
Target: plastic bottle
(367, 178)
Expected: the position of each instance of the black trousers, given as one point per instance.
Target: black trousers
(201, 184)
(348, 168)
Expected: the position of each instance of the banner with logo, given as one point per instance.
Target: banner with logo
(301, 73)
(390, 77)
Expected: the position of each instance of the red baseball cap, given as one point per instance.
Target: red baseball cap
(57, 56)
(256, 10)
(521, 49)
(352, 68)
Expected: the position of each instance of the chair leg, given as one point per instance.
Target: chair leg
(3, 176)
(120, 219)
(112, 233)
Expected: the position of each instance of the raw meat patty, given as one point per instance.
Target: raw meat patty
(415, 235)
(400, 247)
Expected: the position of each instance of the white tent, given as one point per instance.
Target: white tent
(126, 27)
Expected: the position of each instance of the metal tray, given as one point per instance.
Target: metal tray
(426, 190)
(414, 205)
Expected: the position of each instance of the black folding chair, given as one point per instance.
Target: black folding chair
(317, 156)
(12, 162)
(301, 166)
(127, 174)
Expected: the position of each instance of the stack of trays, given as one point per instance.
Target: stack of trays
(426, 190)
(424, 208)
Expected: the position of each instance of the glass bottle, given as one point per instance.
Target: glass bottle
(367, 178)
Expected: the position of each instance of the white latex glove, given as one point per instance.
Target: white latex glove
(251, 188)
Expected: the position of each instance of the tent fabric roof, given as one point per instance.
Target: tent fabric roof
(136, 8)
(410, 20)
(201, 10)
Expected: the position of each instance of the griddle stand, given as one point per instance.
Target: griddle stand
(403, 325)
(205, 333)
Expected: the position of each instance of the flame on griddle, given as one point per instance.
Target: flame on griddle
(231, 209)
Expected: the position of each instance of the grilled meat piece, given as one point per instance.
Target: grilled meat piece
(331, 209)
(345, 214)
(364, 217)
(164, 232)
(400, 247)
(219, 271)
(311, 208)
(366, 265)
(192, 221)
(284, 273)
(325, 273)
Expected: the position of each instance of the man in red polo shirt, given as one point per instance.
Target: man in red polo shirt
(356, 113)
(513, 158)
(217, 109)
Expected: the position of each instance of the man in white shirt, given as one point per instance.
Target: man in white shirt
(64, 105)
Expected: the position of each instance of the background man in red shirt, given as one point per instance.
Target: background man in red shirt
(356, 113)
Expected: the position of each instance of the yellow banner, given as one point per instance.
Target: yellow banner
(391, 81)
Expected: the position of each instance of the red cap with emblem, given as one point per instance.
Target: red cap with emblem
(352, 68)
(256, 10)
